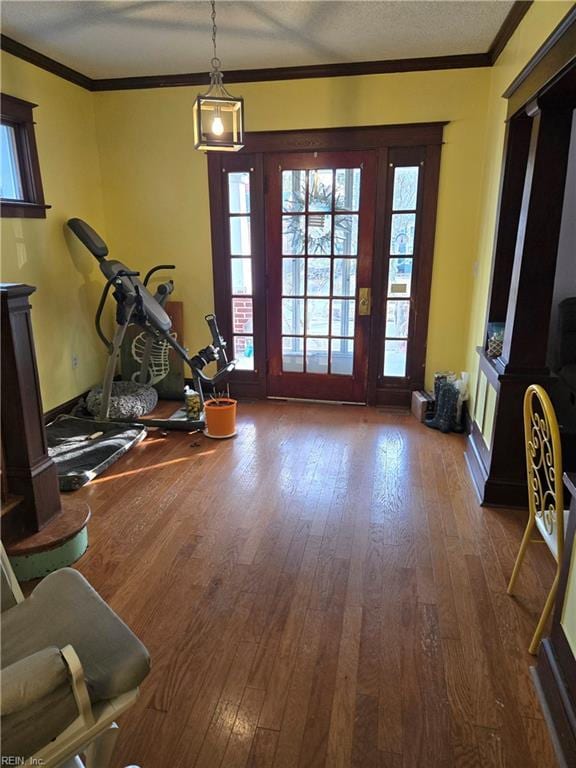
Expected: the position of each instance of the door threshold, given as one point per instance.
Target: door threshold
(313, 400)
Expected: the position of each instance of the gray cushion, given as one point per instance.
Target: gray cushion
(30, 729)
(37, 702)
(31, 678)
(65, 610)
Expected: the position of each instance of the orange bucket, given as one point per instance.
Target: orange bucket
(220, 415)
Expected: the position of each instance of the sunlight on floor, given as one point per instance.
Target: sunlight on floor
(160, 465)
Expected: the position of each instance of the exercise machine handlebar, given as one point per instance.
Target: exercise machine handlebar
(217, 339)
(228, 368)
(114, 280)
(156, 269)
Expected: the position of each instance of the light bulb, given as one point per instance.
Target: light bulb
(217, 126)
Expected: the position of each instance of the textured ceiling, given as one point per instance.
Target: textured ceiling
(117, 39)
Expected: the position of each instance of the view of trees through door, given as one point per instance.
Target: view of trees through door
(319, 275)
(319, 223)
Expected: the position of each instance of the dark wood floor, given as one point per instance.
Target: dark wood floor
(323, 590)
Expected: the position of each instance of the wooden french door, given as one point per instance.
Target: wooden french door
(320, 211)
(296, 236)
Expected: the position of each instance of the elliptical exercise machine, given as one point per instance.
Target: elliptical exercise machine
(135, 304)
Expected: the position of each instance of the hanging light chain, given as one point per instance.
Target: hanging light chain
(215, 59)
(218, 116)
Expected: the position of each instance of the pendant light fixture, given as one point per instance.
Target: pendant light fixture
(218, 116)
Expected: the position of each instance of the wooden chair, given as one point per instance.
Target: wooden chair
(545, 490)
(90, 730)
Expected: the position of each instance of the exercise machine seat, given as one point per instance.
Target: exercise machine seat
(89, 237)
(155, 313)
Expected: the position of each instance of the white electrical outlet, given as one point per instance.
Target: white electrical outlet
(74, 360)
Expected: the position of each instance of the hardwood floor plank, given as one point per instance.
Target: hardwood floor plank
(240, 741)
(339, 749)
(390, 760)
(391, 684)
(491, 749)
(323, 591)
(461, 699)
(315, 738)
(486, 709)
(223, 682)
(539, 743)
(299, 624)
(369, 661)
(426, 586)
(263, 749)
(298, 697)
(515, 638)
(217, 736)
(446, 592)
(365, 752)
(138, 736)
(512, 732)
(426, 728)
(215, 623)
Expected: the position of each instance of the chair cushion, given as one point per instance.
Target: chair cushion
(65, 610)
(30, 679)
(28, 730)
(37, 702)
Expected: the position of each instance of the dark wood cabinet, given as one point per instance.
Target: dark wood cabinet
(30, 476)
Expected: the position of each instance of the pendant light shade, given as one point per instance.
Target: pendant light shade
(218, 119)
(218, 116)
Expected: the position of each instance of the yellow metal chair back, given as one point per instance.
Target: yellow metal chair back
(545, 491)
(544, 468)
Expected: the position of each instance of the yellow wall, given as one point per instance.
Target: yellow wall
(156, 188)
(538, 23)
(39, 251)
(125, 161)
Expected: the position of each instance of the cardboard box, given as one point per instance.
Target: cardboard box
(422, 405)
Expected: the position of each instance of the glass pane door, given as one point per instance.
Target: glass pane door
(319, 263)
(240, 239)
(316, 258)
(400, 267)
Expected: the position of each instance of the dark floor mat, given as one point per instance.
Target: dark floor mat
(80, 458)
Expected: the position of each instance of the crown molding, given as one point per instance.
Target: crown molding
(550, 62)
(298, 73)
(45, 62)
(509, 26)
(387, 66)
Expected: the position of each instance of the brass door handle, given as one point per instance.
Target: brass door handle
(364, 301)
